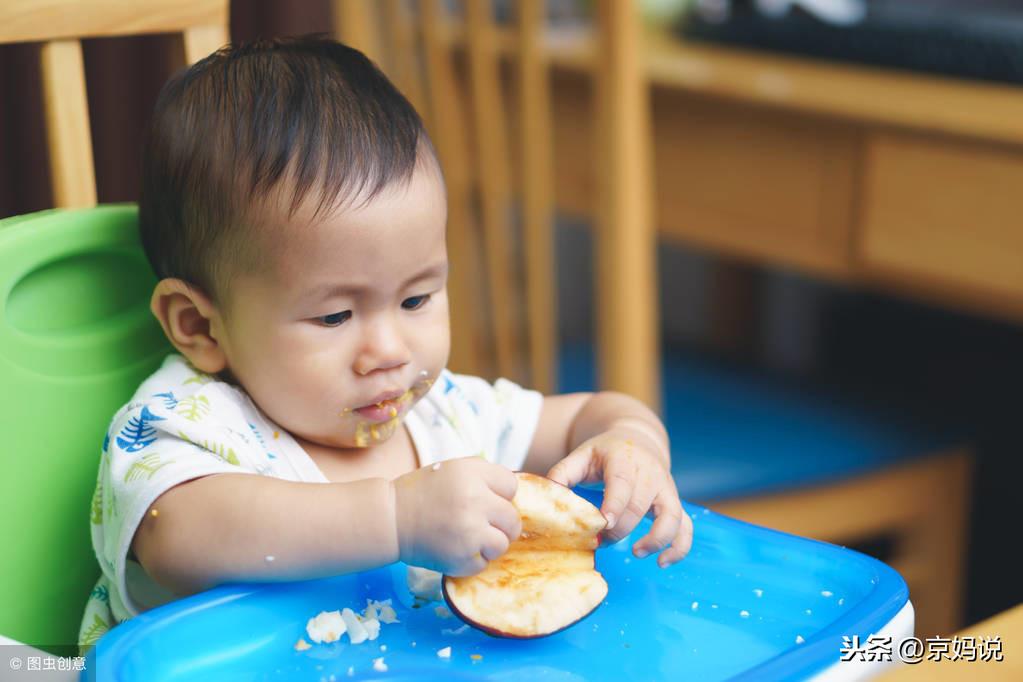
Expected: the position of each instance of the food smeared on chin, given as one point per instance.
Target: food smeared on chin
(378, 421)
(547, 579)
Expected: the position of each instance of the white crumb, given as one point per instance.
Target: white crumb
(327, 626)
(356, 630)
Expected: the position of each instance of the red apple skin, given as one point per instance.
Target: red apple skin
(505, 635)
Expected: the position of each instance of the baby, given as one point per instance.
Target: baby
(294, 212)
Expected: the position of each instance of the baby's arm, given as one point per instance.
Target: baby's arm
(239, 527)
(222, 528)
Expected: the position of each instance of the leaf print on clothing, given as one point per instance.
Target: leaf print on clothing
(193, 408)
(145, 466)
(97, 629)
(137, 434)
(111, 504)
(502, 440)
(451, 415)
(169, 401)
(262, 442)
(225, 453)
(97, 505)
(106, 441)
(100, 593)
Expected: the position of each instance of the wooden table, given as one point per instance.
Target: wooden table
(903, 182)
(1008, 625)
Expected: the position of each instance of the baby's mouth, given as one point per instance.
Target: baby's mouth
(385, 409)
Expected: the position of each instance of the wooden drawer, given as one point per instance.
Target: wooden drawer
(946, 215)
(755, 182)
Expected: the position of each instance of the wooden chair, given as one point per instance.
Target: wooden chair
(453, 71)
(59, 25)
(484, 90)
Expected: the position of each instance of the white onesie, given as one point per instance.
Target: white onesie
(182, 424)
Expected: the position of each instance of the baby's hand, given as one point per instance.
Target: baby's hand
(457, 517)
(635, 480)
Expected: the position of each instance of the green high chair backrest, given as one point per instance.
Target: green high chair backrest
(76, 339)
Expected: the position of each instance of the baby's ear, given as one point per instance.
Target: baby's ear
(191, 322)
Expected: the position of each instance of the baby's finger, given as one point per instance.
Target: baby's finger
(501, 480)
(619, 484)
(495, 543)
(573, 469)
(667, 520)
(469, 566)
(680, 546)
(505, 517)
(634, 511)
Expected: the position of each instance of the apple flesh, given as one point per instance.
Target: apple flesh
(546, 580)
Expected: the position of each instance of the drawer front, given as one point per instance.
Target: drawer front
(945, 212)
(755, 182)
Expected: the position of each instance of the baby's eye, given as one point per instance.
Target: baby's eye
(334, 319)
(415, 303)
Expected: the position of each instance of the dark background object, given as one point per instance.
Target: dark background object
(979, 39)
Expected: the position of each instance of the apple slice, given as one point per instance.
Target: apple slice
(546, 580)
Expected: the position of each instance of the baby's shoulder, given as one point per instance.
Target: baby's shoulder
(463, 395)
(178, 391)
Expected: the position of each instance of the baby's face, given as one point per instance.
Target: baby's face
(349, 329)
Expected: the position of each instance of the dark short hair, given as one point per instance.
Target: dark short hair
(259, 126)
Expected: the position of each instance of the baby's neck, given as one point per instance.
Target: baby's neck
(393, 458)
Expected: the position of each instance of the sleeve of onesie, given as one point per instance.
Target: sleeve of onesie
(507, 415)
(153, 444)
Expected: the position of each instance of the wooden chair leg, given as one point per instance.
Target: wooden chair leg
(938, 543)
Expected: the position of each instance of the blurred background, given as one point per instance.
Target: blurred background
(807, 215)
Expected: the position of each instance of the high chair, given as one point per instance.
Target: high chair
(848, 474)
(76, 335)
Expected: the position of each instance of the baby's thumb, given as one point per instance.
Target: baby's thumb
(573, 469)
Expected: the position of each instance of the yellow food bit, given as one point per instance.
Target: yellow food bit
(302, 645)
(361, 435)
(476, 657)
(155, 513)
(277, 434)
(394, 412)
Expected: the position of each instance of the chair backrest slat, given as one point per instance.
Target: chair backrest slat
(404, 61)
(468, 95)
(35, 21)
(67, 124)
(627, 325)
(446, 114)
(357, 24)
(537, 181)
(202, 41)
(59, 25)
(491, 133)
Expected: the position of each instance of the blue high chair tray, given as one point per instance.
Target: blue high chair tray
(747, 602)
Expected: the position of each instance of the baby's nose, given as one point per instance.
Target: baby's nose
(383, 348)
